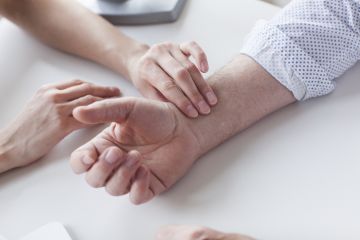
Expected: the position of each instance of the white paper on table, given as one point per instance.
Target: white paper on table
(53, 231)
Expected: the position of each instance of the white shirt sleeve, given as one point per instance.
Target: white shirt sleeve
(308, 45)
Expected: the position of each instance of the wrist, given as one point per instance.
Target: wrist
(120, 56)
(132, 57)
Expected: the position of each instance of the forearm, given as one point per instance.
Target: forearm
(246, 93)
(68, 26)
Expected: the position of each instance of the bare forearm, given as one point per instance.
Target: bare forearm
(68, 26)
(247, 93)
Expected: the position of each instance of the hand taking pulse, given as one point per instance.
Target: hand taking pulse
(147, 148)
(164, 72)
(46, 120)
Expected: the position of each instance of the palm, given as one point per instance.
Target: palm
(159, 132)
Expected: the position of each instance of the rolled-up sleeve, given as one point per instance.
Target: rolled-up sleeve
(308, 44)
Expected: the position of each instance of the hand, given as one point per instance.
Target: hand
(47, 119)
(179, 232)
(148, 147)
(164, 72)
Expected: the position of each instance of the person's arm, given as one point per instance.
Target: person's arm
(308, 45)
(161, 72)
(152, 145)
(66, 25)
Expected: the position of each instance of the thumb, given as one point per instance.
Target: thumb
(109, 110)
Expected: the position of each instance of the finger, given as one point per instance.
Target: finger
(108, 110)
(84, 89)
(193, 49)
(74, 124)
(201, 84)
(83, 101)
(152, 93)
(83, 158)
(183, 79)
(140, 189)
(171, 92)
(67, 84)
(120, 182)
(104, 167)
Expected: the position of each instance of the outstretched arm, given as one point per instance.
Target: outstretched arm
(151, 145)
(66, 25)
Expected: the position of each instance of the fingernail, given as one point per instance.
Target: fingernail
(131, 161)
(111, 157)
(87, 160)
(204, 107)
(192, 111)
(211, 98)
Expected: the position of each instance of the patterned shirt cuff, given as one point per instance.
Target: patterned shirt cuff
(284, 60)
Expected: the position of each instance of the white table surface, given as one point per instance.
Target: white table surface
(294, 175)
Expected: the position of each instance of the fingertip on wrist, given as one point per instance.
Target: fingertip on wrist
(211, 97)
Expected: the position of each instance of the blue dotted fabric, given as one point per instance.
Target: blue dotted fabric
(308, 45)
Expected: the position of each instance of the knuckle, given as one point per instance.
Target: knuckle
(197, 234)
(157, 48)
(146, 62)
(53, 96)
(44, 88)
(61, 109)
(191, 67)
(77, 81)
(167, 86)
(87, 86)
(195, 95)
(204, 86)
(182, 74)
(183, 104)
(167, 44)
(90, 98)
